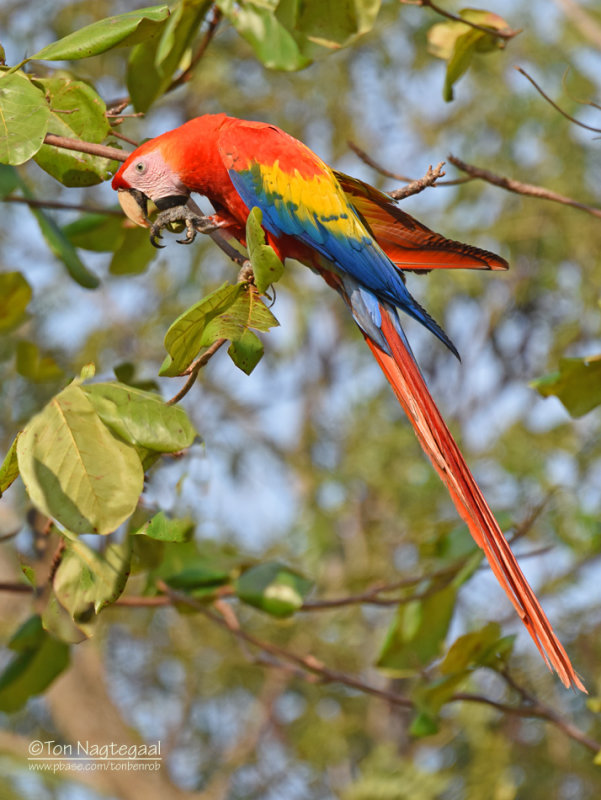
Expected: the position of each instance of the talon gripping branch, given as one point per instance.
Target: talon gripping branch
(360, 242)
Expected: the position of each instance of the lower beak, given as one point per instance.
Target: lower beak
(135, 205)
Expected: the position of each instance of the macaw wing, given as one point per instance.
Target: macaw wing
(409, 244)
(300, 196)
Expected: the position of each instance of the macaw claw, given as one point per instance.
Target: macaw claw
(192, 217)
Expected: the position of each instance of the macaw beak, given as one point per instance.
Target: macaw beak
(135, 206)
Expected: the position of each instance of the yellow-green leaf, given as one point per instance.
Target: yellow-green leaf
(577, 384)
(15, 294)
(24, 118)
(75, 469)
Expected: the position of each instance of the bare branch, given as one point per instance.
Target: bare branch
(429, 179)
(555, 106)
(29, 201)
(194, 369)
(16, 588)
(101, 150)
(521, 188)
(309, 665)
(367, 159)
(122, 137)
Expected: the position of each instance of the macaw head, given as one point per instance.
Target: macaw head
(147, 176)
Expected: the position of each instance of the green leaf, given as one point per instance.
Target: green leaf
(457, 43)
(86, 581)
(273, 44)
(417, 633)
(274, 588)
(133, 253)
(24, 118)
(75, 470)
(61, 247)
(577, 384)
(122, 30)
(15, 294)
(141, 418)
(126, 373)
(9, 469)
(183, 566)
(330, 23)
(77, 112)
(57, 621)
(163, 529)
(430, 697)
(289, 35)
(153, 63)
(246, 352)
(267, 267)
(100, 233)
(485, 647)
(34, 366)
(29, 574)
(40, 659)
(187, 334)
(9, 180)
(196, 577)
(423, 724)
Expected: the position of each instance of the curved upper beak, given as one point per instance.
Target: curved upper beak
(135, 205)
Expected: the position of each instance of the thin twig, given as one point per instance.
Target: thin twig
(194, 369)
(429, 179)
(367, 159)
(113, 212)
(504, 33)
(16, 588)
(206, 40)
(307, 663)
(521, 188)
(56, 559)
(124, 138)
(555, 106)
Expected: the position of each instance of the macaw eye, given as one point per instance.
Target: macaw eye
(140, 167)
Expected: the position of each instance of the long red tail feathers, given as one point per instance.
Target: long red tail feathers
(435, 438)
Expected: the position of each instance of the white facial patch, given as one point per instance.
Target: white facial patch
(151, 175)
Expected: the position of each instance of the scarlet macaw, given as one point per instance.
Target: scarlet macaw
(361, 243)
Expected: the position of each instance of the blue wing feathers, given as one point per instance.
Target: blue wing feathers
(373, 277)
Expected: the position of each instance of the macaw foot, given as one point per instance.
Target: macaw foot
(194, 221)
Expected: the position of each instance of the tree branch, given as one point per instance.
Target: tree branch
(102, 150)
(415, 187)
(310, 665)
(29, 201)
(367, 159)
(521, 188)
